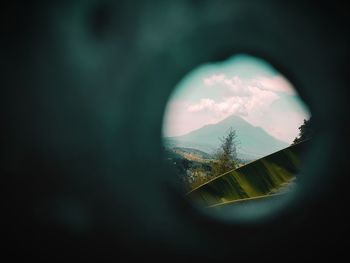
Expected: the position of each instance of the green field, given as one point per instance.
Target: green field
(257, 179)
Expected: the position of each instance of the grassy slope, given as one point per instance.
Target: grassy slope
(255, 179)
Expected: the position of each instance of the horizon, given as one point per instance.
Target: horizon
(232, 127)
(243, 86)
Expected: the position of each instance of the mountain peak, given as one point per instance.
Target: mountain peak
(235, 122)
(233, 118)
(254, 141)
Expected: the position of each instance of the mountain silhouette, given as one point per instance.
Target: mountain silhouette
(253, 142)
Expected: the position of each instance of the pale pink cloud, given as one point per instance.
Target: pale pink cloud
(230, 85)
(240, 97)
(203, 104)
(275, 83)
(248, 98)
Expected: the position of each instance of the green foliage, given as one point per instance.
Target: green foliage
(190, 172)
(227, 154)
(255, 179)
(305, 132)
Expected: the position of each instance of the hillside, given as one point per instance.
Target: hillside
(274, 174)
(192, 154)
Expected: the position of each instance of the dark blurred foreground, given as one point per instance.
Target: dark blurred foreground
(84, 86)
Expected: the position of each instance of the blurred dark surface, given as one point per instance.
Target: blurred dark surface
(84, 86)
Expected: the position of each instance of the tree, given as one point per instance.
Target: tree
(305, 132)
(227, 154)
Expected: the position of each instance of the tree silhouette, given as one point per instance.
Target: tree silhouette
(227, 154)
(305, 132)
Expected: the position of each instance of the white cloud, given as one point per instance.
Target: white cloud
(219, 96)
(239, 97)
(275, 83)
(239, 87)
(203, 104)
(231, 86)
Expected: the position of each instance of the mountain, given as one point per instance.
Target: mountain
(253, 142)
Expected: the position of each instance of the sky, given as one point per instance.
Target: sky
(242, 85)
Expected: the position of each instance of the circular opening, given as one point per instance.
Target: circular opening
(235, 132)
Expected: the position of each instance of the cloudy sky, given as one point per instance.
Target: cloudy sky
(242, 85)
